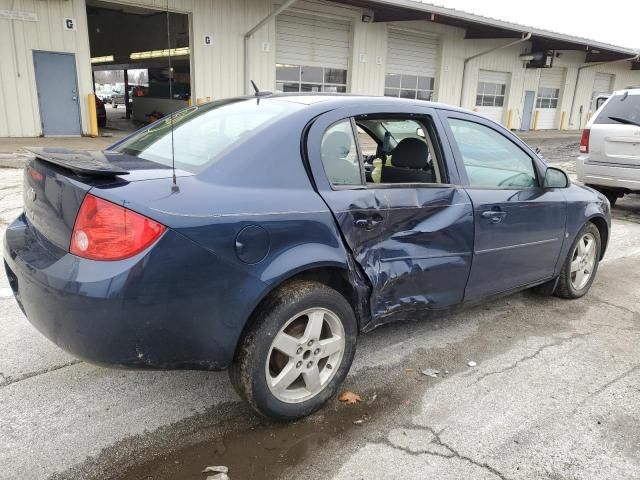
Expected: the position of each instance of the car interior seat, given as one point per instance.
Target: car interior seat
(335, 149)
(410, 161)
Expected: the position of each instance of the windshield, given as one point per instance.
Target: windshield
(623, 108)
(201, 133)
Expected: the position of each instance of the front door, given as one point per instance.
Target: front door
(519, 226)
(412, 240)
(57, 93)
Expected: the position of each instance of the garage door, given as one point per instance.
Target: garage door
(548, 101)
(312, 53)
(412, 65)
(491, 93)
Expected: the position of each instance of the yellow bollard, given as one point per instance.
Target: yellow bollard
(562, 114)
(509, 119)
(535, 120)
(93, 116)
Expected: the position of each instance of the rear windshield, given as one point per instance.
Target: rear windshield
(202, 133)
(623, 108)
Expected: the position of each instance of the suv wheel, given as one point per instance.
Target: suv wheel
(580, 267)
(297, 351)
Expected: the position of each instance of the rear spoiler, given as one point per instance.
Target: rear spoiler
(92, 163)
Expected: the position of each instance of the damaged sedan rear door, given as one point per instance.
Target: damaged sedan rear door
(412, 238)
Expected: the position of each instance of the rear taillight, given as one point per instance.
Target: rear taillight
(584, 141)
(106, 231)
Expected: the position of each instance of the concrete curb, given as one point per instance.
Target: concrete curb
(12, 160)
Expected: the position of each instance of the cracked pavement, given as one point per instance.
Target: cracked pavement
(554, 395)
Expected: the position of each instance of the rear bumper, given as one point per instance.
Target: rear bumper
(171, 306)
(613, 176)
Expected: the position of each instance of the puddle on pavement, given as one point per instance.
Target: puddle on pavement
(263, 451)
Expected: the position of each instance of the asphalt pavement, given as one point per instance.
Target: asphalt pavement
(553, 392)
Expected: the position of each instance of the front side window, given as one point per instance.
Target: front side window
(340, 155)
(415, 87)
(548, 97)
(490, 94)
(300, 78)
(490, 159)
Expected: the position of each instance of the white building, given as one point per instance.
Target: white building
(378, 47)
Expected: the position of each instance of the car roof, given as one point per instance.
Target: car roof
(630, 91)
(341, 100)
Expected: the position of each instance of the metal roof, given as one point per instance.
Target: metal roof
(478, 26)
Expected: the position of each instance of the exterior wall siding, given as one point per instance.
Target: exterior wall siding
(218, 69)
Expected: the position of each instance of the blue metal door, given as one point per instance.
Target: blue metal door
(527, 110)
(57, 93)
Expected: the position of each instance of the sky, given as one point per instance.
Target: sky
(615, 21)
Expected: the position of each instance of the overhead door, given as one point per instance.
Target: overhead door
(491, 93)
(412, 65)
(548, 101)
(312, 53)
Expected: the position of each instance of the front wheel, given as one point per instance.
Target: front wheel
(296, 352)
(580, 267)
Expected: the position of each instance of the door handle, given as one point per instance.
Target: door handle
(368, 223)
(495, 216)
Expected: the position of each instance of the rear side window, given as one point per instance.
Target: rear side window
(340, 155)
(621, 109)
(202, 133)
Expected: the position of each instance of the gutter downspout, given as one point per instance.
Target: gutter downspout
(524, 38)
(250, 33)
(580, 68)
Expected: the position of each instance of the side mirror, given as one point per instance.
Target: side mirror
(420, 132)
(555, 178)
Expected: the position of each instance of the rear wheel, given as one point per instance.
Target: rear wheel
(580, 267)
(297, 352)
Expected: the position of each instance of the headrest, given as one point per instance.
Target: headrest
(410, 153)
(336, 145)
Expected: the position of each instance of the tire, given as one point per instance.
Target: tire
(285, 318)
(611, 195)
(572, 284)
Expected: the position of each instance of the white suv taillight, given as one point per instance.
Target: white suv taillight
(584, 141)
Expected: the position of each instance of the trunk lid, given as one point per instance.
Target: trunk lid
(56, 181)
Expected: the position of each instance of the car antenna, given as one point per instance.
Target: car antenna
(174, 186)
(259, 93)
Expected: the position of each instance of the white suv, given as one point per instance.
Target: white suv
(610, 146)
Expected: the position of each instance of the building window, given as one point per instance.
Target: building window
(408, 86)
(548, 97)
(300, 78)
(490, 94)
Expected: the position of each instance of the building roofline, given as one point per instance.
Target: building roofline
(429, 8)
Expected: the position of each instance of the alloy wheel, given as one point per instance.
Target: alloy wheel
(305, 355)
(583, 261)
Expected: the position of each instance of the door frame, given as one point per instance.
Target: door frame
(75, 79)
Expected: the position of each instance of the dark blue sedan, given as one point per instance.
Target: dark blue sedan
(263, 234)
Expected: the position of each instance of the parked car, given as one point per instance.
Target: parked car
(246, 233)
(101, 113)
(610, 147)
(118, 97)
(105, 94)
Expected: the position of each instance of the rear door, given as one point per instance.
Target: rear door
(412, 241)
(519, 226)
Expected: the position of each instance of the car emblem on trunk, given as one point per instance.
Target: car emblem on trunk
(31, 195)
